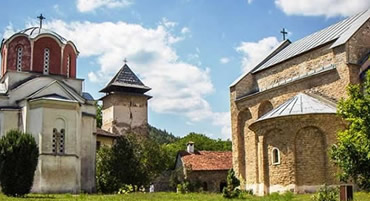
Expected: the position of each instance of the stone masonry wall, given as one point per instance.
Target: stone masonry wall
(123, 113)
(212, 178)
(359, 45)
(330, 85)
(303, 145)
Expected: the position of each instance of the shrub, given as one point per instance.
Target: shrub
(18, 160)
(105, 179)
(125, 189)
(326, 193)
(230, 190)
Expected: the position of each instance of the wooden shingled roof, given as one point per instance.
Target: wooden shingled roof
(125, 81)
(207, 160)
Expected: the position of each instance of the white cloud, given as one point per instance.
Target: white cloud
(250, 1)
(8, 31)
(223, 119)
(328, 8)
(185, 30)
(255, 52)
(167, 23)
(224, 60)
(90, 5)
(178, 87)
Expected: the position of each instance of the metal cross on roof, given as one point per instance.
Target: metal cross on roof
(41, 18)
(284, 32)
(125, 60)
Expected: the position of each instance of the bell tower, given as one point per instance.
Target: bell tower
(125, 104)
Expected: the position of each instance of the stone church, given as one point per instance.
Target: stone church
(283, 111)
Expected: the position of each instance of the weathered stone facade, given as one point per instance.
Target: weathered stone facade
(324, 72)
(125, 107)
(208, 169)
(125, 113)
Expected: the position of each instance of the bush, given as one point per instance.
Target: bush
(326, 193)
(18, 160)
(230, 190)
(105, 180)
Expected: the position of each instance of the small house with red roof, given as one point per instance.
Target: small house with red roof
(207, 168)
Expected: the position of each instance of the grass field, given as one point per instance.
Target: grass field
(165, 197)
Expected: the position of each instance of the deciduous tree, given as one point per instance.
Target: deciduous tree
(352, 152)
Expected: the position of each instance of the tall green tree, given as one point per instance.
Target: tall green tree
(131, 161)
(18, 160)
(99, 117)
(352, 152)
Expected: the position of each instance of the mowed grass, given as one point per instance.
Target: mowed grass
(166, 197)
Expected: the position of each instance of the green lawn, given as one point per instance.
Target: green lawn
(166, 197)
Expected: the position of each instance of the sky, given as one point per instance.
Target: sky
(187, 51)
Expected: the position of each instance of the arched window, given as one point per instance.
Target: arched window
(68, 64)
(275, 156)
(46, 60)
(19, 58)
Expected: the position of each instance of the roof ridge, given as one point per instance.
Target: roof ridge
(339, 32)
(125, 79)
(307, 105)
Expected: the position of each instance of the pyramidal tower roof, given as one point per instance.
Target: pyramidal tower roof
(125, 81)
(298, 105)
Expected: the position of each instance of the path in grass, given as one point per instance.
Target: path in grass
(165, 197)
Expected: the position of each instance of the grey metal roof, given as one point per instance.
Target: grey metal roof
(298, 105)
(87, 96)
(272, 53)
(341, 31)
(125, 80)
(33, 32)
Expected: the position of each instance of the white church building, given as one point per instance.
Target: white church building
(40, 94)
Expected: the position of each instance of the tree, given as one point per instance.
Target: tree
(105, 180)
(18, 160)
(161, 136)
(130, 161)
(116, 166)
(352, 152)
(202, 142)
(99, 118)
(230, 190)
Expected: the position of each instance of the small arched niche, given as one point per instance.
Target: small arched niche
(264, 108)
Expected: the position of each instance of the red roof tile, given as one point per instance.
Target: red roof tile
(207, 160)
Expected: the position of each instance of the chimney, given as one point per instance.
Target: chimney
(190, 147)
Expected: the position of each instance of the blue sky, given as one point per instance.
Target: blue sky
(187, 51)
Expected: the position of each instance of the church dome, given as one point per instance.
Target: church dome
(39, 50)
(34, 32)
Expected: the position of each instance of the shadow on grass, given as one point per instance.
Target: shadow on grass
(39, 197)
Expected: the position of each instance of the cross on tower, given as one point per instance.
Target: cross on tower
(125, 60)
(41, 18)
(284, 32)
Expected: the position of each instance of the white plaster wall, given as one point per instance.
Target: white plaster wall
(76, 84)
(9, 120)
(122, 114)
(87, 156)
(56, 173)
(35, 124)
